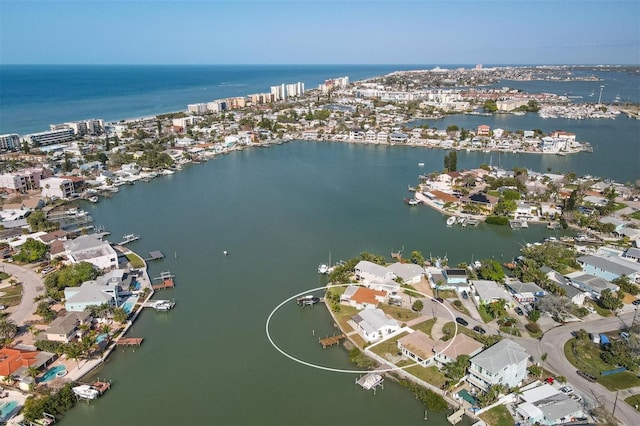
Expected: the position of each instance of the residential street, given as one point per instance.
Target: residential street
(32, 286)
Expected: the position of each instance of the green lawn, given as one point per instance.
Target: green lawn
(586, 356)
(484, 314)
(619, 381)
(398, 313)
(388, 346)
(635, 215)
(512, 331)
(461, 309)
(634, 401)
(619, 206)
(600, 310)
(12, 295)
(497, 416)
(425, 326)
(135, 260)
(429, 374)
(344, 315)
(447, 294)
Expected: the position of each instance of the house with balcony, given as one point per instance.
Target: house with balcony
(90, 248)
(64, 329)
(105, 289)
(503, 363)
(590, 284)
(418, 346)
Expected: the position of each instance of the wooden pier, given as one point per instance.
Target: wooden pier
(130, 341)
(330, 341)
(102, 387)
(166, 281)
(456, 417)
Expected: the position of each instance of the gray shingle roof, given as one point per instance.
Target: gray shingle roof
(501, 354)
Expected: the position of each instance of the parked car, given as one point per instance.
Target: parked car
(465, 295)
(625, 335)
(438, 299)
(479, 329)
(587, 376)
(519, 310)
(2, 307)
(549, 380)
(636, 302)
(566, 390)
(462, 321)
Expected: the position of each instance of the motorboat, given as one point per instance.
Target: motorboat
(420, 164)
(86, 392)
(323, 269)
(451, 220)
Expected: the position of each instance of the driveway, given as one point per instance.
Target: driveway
(32, 286)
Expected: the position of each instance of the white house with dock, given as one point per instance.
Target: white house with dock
(374, 324)
(503, 363)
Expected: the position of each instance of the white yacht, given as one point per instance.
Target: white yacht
(86, 392)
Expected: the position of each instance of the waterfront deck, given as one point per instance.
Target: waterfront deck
(166, 281)
(155, 255)
(331, 340)
(130, 341)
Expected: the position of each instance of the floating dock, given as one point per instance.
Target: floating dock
(155, 255)
(332, 340)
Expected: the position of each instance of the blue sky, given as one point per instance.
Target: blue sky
(320, 32)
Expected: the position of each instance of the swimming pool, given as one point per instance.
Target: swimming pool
(464, 394)
(129, 304)
(101, 337)
(52, 373)
(7, 409)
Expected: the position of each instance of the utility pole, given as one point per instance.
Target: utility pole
(613, 413)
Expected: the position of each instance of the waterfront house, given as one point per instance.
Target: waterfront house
(483, 130)
(609, 267)
(418, 346)
(65, 328)
(503, 363)
(57, 187)
(105, 289)
(90, 248)
(15, 361)
(369, 272)
(362, 297)
(485, 292)
(373, 324)
(524, 292)
(409, 272)
(632, 254)
(449, 351)
(591, 284)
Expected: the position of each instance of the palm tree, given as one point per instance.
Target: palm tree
(33, 371)
(73, 351)
(8, 328)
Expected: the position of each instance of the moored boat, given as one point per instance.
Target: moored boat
(451, 221)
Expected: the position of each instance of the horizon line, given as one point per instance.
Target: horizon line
(332, 64)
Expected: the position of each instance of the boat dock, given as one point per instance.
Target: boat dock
(331, 340)
(101, 387)
(371, 381)
(166, 280)
(155, 255)
(456, 417)
(130, 341)
(128, 239)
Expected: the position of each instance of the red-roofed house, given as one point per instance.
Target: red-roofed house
(483, 130)
(362, 297)
(15, 361)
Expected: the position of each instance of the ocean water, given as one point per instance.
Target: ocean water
(34, 96)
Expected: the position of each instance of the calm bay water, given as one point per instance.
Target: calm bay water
(279, 212)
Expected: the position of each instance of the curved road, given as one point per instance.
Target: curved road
(32, 286)
(552, 343)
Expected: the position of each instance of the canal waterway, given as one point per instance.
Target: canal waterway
(278, 212)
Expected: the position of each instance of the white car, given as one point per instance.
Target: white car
(566, 390)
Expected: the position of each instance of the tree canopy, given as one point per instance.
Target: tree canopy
(31, 251)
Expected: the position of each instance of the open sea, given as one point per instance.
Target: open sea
(279, 212)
